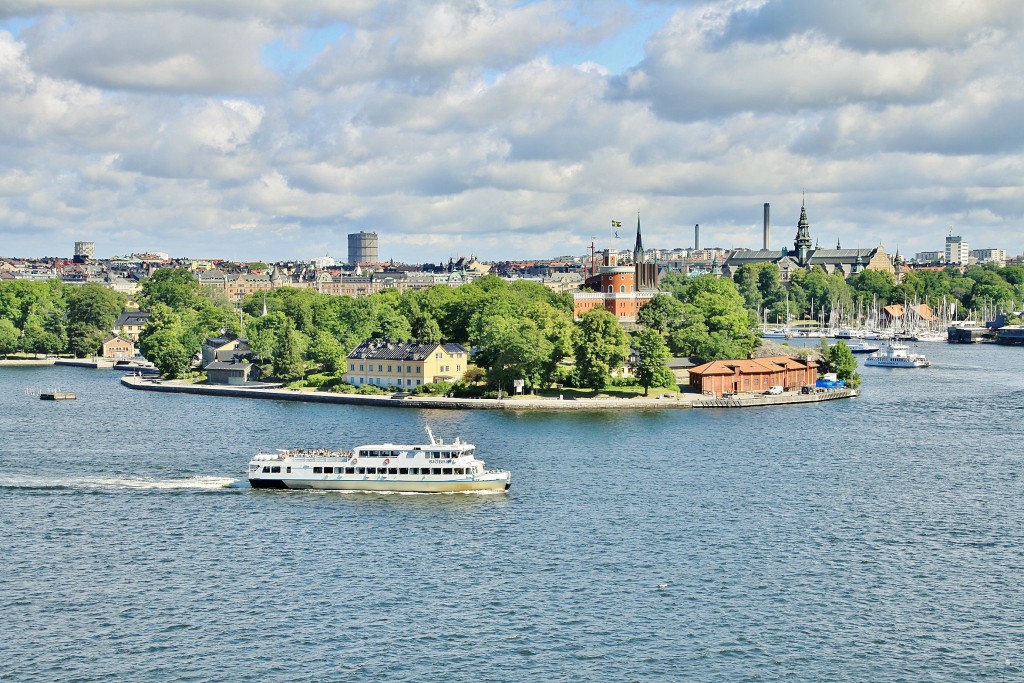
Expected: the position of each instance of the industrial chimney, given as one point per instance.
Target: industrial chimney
(696, 237)
(767, 228)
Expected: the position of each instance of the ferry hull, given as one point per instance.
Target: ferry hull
(267, 484)
(388, 485)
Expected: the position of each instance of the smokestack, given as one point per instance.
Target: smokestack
(696, 237)
(767, 228)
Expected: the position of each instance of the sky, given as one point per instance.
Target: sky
(270, 129)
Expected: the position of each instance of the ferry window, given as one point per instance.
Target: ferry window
(446, 470)
(403, 470)
(392, 470)
(288, 470)
(276, 469)
(360, 470)
(460, 470)
(414, 470)
(436, 470)
(328, 470)
(371, 470)
(318, 470)
(350, 470)
(266, 469)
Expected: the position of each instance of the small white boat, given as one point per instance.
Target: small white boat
(863, 347)
(896, 355)
(436, 467)
(930, 336)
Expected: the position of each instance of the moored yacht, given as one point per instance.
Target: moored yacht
(436, 467)
(896, 355)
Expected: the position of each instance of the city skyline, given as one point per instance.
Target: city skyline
(271, 131)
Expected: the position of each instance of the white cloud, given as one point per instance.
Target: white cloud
(457, 127)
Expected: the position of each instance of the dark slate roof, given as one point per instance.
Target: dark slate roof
(839, 255)
(376, 349)
(133, 318)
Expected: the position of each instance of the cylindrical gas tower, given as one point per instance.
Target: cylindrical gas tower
(362, 248)
(696, 237)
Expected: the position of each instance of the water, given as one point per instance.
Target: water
(870, 539)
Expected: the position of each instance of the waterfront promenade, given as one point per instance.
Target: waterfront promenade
(670, 401)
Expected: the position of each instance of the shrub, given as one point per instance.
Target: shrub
(369, 390)
(464, 390)
(318, 379)
(433, 389)
(625, 382)
(338, 387)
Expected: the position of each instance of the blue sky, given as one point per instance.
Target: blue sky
(266, 129)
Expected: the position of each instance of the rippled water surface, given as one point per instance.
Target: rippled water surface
(870, 539)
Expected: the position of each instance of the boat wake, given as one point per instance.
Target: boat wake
(197, 483)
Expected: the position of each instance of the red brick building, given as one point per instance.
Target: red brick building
(620, 290)
(754, 375)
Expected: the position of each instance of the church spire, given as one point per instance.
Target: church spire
(638, 248)
(802, 243)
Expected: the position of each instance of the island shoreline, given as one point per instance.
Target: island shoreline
(676, 402)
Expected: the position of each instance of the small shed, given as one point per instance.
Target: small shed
(234, 371)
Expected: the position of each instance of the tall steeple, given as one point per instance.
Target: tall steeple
(802, 243)
(638, 248)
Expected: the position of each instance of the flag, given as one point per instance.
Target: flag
(616, 224)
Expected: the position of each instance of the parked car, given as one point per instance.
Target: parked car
(774, 391)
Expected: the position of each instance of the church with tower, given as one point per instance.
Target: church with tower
(620, 290)
(847, 262)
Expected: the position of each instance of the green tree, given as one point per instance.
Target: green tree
(842, 362)
(95, 306)
(599, 345)
(511, 349)
(164, 349)
(662, 313)
(175, 287)
(652, 354)
(327, 352)
(9, 337)
(161, 342)
(288, 354)
(429, 331)
(264, 333)
(715, 326)
(84, 339)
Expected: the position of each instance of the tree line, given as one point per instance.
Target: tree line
(518, 330)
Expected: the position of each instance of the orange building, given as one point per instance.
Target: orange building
(620, 290)
(754, 375)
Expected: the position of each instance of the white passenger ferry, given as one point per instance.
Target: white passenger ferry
(896, 355)
(436, 467)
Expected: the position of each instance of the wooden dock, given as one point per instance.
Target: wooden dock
(57, 396)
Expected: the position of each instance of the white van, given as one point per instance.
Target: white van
(774, 391)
